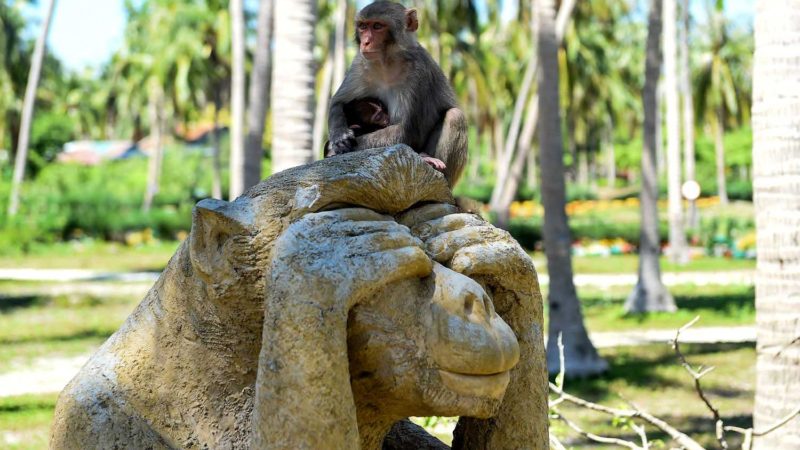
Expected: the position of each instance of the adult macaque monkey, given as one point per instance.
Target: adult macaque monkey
(392, 67)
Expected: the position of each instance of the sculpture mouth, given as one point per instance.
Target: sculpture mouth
(491, 386)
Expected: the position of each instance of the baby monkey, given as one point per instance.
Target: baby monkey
(363, 116)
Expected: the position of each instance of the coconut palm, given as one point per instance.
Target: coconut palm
(720, 100)
(677, 233)
(237, 185)
(564, 309)
(258, 96)
(293, 84)
(27, 111)
(650, 294)
(776, 138)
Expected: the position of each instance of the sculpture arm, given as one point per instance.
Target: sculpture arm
(321, 266)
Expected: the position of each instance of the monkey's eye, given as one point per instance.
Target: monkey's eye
(377, 26)
(362, 26)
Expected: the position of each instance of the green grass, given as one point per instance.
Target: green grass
(622, 264)
(25, 421)
(35, 326)
(96, 255)
(716, 306)
(650, 377)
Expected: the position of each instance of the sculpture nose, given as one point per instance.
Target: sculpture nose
(468, 336)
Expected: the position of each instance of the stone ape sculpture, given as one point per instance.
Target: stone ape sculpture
(319, 310)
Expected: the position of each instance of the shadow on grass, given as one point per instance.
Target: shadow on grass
(729, 301)
(10, 303)
(640, 367)
(85, 334)
(26, 403)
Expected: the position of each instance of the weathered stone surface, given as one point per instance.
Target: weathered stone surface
(317, 311)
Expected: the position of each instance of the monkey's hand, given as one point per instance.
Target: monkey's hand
(342, 141)
(436, 163)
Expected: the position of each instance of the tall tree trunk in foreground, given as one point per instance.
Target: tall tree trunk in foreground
(564, 308)
(776, 168)
(238, 160)
(258, 97)
(677, 234)
(27, 111)
(650, 294)
(293, 84)
(688, 107)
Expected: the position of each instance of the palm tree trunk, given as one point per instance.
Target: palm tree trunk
(611, 158)
(776, 140)
(293, 84)
(518, 145)
(564, 308)
(154, 108)
(677, 234)
(719, 150)
(216, 160)
(238, 161)
(27, 111)
(258, 97)
(650, 294)
(688, 109)
(339, 42)
(323, 102)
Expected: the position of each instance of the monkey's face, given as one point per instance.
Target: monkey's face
(373, 37)
(384, 27)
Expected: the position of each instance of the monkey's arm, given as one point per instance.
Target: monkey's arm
(341, 137)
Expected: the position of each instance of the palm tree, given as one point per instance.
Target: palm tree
(688, 106)
(677, 234)
(520, 133)
(238, 161)
(293, 84)
(650, 294)
(776, 138)
(27, 111)
(718, 97)
(564, 308)
(258, 100)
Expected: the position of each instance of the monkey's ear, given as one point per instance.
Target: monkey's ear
(412, 23)
(214, 225)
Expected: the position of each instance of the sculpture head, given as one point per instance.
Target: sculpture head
(387, 332)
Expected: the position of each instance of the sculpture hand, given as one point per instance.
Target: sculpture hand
(321, 266)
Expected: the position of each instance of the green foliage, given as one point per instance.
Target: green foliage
(49, 133)
(528, 231)
(105, 201)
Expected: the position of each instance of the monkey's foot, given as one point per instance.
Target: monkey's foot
(436, 163)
